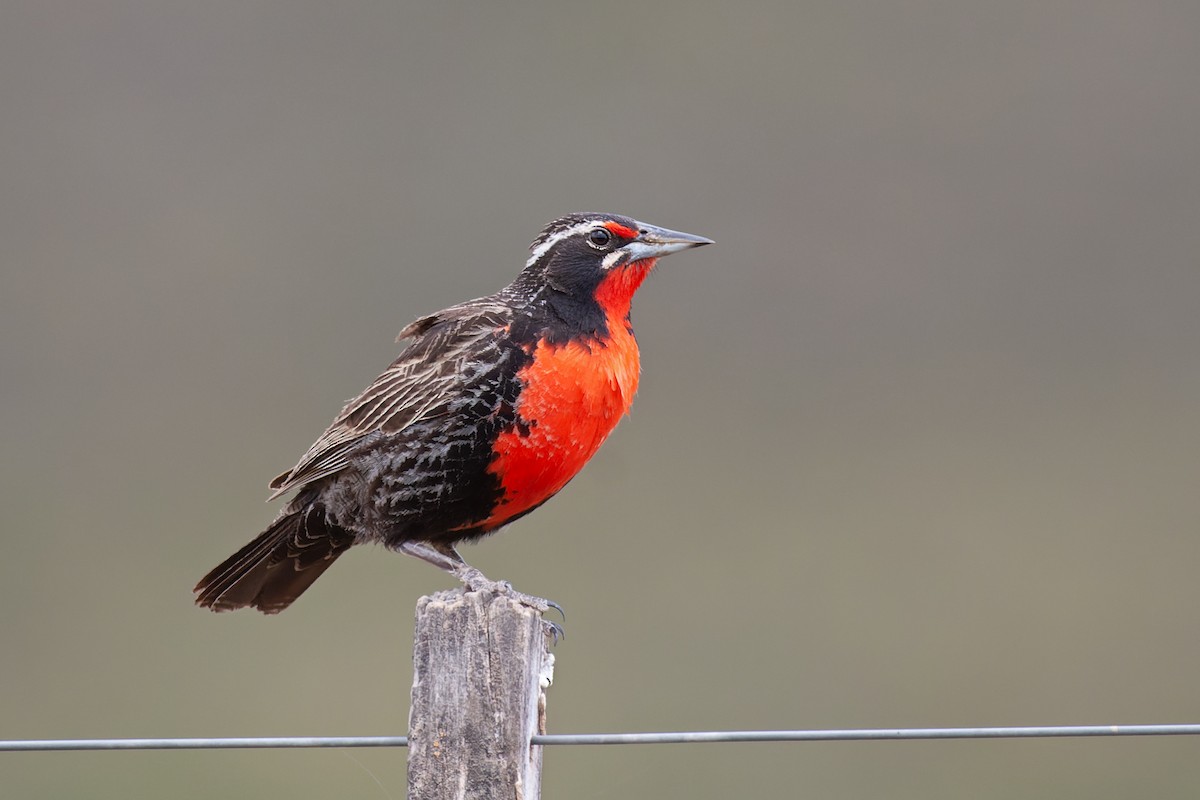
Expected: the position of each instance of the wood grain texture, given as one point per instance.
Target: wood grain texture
(481, 666)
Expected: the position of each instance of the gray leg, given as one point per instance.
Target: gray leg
(443, 556)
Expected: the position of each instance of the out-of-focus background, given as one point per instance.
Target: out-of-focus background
(917, 440)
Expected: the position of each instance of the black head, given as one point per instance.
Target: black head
(573, 254)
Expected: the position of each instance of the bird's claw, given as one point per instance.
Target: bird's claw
(551, 604)
(540, 603)
(476, 581)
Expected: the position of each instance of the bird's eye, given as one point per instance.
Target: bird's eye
(599, 237)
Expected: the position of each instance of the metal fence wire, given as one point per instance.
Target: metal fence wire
(678, 737)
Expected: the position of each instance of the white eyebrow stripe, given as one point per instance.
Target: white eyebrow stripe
(558, 236)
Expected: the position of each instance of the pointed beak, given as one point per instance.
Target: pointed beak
(656, 242)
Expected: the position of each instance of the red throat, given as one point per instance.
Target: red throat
(616, 290)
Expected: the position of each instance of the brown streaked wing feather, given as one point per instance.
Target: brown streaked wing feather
(413, 388)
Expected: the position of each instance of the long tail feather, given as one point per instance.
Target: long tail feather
(274, 569)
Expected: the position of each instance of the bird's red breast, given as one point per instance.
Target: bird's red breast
(573, 395)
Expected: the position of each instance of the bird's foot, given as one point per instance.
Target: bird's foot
(476, 581)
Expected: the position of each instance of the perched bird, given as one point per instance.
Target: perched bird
(491, 409)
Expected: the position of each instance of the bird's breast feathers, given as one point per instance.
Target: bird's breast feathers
(572, 397)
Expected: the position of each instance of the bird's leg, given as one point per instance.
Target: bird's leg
(445, 557)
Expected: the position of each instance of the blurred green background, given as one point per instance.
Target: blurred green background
(916, 444)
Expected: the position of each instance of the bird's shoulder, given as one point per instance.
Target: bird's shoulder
(483, 312)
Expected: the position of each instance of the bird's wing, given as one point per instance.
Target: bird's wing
(418, 385)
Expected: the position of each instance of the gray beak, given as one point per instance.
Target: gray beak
(656, 242)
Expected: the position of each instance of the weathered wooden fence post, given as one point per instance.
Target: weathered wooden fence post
(481, 665)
